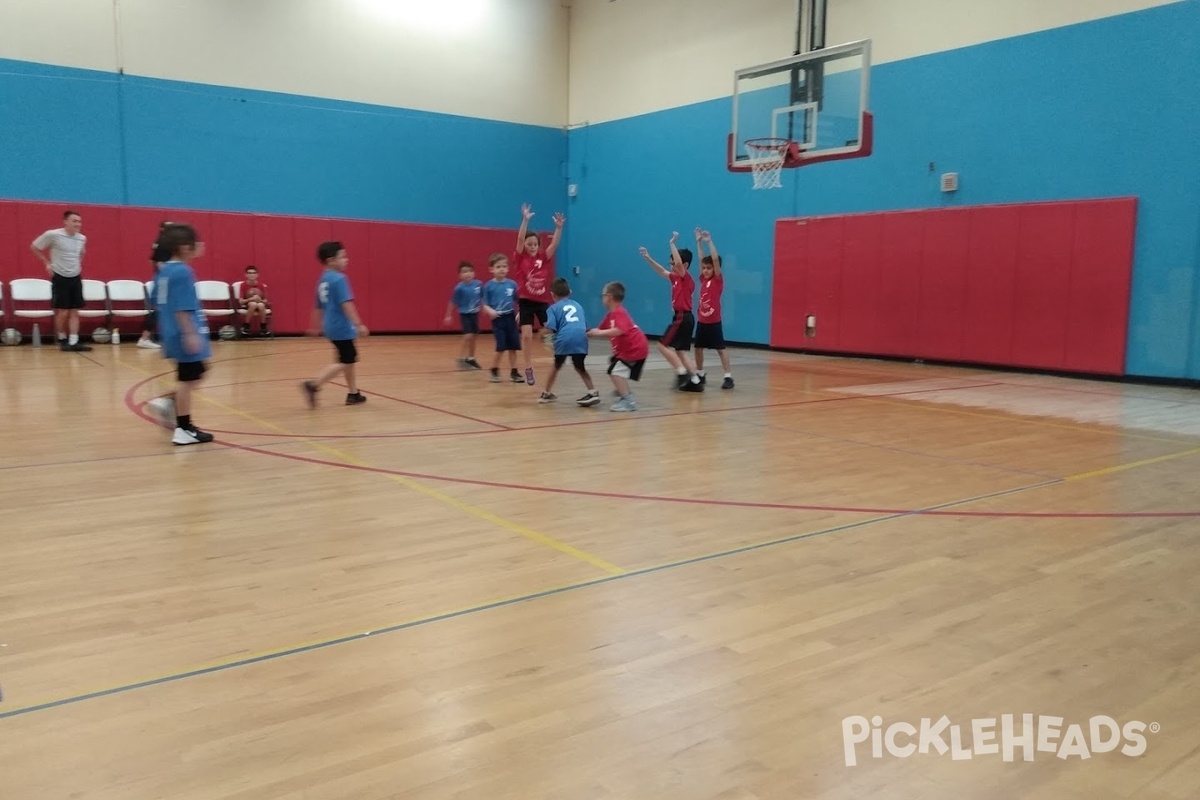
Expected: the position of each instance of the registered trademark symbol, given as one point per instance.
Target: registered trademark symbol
(1155, 727)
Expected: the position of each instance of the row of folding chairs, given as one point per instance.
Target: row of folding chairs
(110, 299)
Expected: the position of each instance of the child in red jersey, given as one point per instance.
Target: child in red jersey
(709, 332)
(676, 341)
(629, 346)
(252, 300)
(533, 270)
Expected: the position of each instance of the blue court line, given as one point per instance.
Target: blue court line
(195, 673)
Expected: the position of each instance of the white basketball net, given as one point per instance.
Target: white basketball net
(766, 161)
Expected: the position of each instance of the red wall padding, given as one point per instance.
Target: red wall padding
(402, 273)
(1043, 285)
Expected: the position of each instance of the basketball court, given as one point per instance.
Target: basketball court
(847, 578)
(454, 591)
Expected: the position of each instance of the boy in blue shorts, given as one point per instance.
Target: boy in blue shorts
(336, 316)
(499, 303)
(565, 322)
(467, 298)
(182, 329)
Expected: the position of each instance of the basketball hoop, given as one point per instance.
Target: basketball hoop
(766, 161)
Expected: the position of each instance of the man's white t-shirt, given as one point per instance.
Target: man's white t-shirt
(66, 251)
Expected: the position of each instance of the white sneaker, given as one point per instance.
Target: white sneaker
(149, 344)
(162, 409)
(190, 436)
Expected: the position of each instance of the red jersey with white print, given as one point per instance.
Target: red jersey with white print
(533, 275)
(682, 288)
(631, 344)
(247, 291)
(710, 298)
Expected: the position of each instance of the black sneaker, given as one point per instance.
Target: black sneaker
(727, 383)
(79, 347)
(472, 363)
(310, 392)
(516, 377)
(245, 331)
(495, 376)
(692, 386)
(703, 378)
(355, 399)
(592, 398)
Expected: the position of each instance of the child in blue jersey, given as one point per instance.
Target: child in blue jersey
(565, 322)
(499, 303)
(182, 329)
(337, 318)
(467, 298)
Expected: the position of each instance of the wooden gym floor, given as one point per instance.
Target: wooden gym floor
(453, 592)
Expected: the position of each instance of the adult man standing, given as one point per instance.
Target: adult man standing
(61, 251)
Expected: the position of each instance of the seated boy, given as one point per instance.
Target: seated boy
(252, 299)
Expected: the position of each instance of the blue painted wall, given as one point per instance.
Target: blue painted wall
(84, 136)
(1105, 108)
(1082, 111)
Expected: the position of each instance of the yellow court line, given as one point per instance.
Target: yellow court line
(1122, 467)
(475, 511)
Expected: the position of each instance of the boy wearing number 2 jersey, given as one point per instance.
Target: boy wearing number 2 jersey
(566, 324)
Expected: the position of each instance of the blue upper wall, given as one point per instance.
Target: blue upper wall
(98, 137)
(1104, 108)
(1098, 109)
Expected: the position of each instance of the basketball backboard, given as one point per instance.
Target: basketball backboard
(817, 100)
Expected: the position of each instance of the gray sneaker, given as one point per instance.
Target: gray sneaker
(624, 404)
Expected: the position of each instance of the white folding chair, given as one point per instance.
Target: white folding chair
(215, 292)
(30, 290)
(94, 292)
(127, 291)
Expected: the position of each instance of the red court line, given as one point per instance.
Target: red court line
(721, 503)
(436, 409)
(136, 409)
(496, 426)
(208, 385)
(607, 420)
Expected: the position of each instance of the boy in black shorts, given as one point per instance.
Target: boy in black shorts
(709, 332)
(676, 341)
(183, 329)
(466, 299)
(336, 315)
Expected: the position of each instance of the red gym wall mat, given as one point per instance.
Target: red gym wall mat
(402, 273)
(1042, 285)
